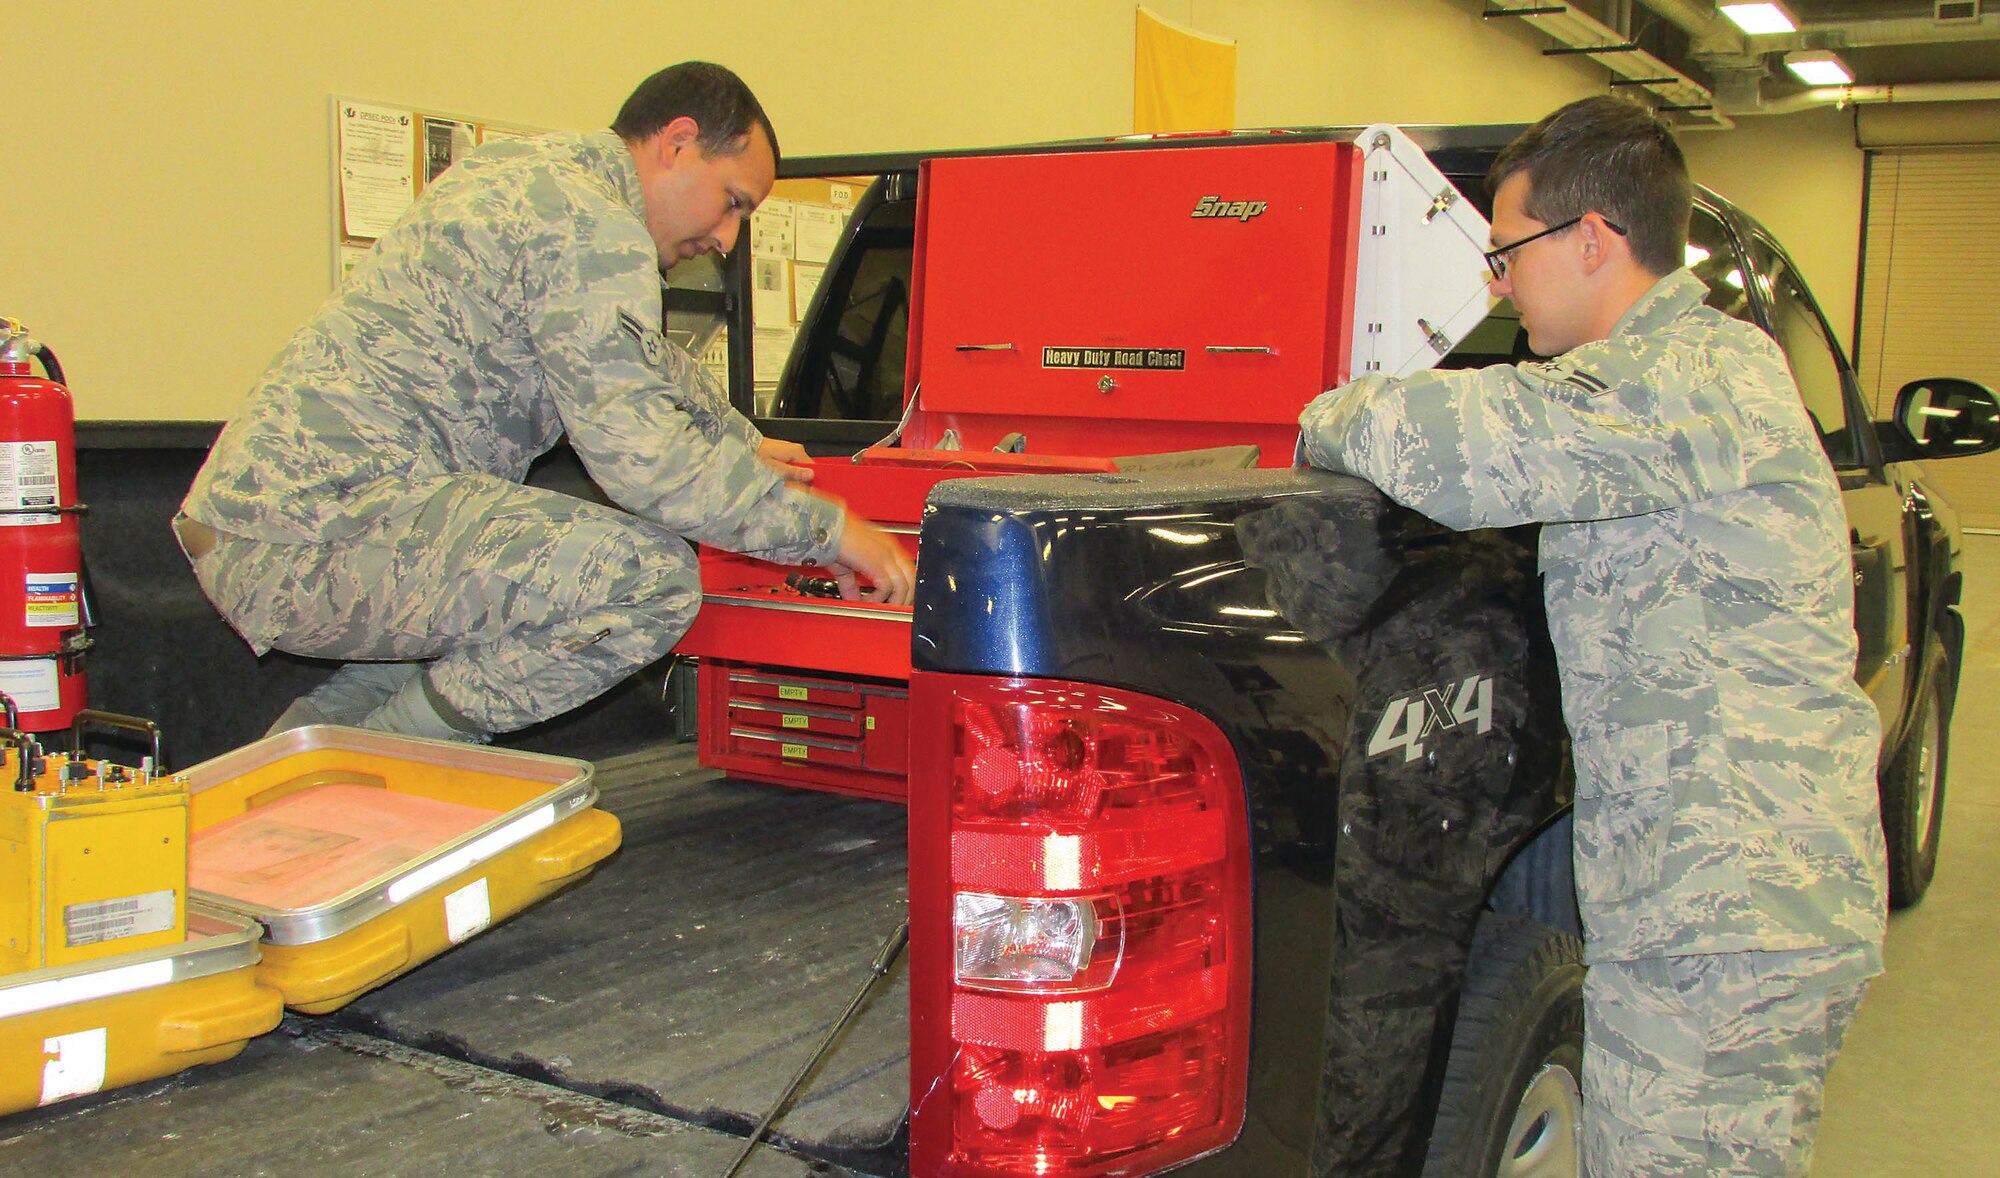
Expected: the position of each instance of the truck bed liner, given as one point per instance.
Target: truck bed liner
(686, 980)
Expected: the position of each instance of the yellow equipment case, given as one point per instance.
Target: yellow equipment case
(363, 855)
(93, 856)
(71, 1030)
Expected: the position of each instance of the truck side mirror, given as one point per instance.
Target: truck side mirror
(1942, 417)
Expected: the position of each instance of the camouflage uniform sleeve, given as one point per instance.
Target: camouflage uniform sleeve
(1617, 428)
(651, 425)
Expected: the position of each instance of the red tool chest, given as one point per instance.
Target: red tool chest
(1110, 300)
(1134, 301)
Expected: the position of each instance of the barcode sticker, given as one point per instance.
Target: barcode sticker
(28, 478)
(109, 920)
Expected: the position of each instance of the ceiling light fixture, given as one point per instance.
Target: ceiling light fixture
(1761, 19)
(1819, 67)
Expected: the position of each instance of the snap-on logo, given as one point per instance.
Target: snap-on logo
(1215, 206)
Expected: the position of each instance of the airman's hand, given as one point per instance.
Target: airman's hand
(873, 553)
(789, 459)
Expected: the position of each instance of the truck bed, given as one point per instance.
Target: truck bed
(641, 1022)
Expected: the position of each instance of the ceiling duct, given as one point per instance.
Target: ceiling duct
(1575, 32)
(1736, 65)
(1743, 83)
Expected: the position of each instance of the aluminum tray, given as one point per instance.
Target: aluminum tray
(218, 941)
(567, 790)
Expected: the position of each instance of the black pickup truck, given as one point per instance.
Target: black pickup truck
(1326, 735)
(1236, 840)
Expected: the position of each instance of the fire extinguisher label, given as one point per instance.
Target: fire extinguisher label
(52, 599)
(27, 479)
(32, 683)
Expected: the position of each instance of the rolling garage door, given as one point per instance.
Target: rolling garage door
(1930, 291)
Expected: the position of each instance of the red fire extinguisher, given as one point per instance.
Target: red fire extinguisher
(42, 608)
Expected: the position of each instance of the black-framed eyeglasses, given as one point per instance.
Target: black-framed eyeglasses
(1498, 260)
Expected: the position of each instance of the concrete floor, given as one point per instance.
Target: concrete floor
(1914, 1092)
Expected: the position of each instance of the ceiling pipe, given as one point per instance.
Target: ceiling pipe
(1860, 33)
(1844, 96)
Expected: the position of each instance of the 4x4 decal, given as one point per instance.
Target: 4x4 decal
(1410, 718)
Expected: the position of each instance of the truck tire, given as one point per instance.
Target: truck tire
(1511, 1105)
(1913, 790)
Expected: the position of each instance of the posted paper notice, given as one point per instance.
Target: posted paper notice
(819, 229)
(771, 230)
(377, 182)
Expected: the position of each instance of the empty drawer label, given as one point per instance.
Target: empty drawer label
(795, 751)
(794, 720)
(108, 920)
(790, 691)
(73, 1064)
(467, 911)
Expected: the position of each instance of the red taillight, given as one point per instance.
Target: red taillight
(1080, 931)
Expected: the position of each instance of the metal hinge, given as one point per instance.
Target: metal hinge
(1439, 203)
(1438, 340)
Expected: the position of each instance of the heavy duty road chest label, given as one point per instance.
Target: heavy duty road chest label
(1161, 359)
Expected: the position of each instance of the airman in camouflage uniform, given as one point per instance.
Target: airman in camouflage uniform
(1729, 858)
(366, 503)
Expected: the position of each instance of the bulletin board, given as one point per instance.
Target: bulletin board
(383, 156)
(792, 238)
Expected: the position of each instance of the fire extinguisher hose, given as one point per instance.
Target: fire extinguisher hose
(49, 363)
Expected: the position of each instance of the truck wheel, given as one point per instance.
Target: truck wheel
(1512, 1104)
(1913, 794)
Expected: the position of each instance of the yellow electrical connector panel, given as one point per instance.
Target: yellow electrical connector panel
(93, 860)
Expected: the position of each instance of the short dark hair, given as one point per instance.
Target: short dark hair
(715, 98)
(1613, 157)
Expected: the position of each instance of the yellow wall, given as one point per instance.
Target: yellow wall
(165, 219)
(1800, 175)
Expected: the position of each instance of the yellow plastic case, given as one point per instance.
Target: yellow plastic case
(72, 1030)
(324, 956)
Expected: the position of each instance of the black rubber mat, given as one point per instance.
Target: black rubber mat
(312, 1099)
(694, 973)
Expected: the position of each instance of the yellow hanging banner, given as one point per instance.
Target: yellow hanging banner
(1181, 80)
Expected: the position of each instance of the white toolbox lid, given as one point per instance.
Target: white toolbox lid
(1420, 277)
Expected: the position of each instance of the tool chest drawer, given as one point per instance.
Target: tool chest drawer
(762, 685)
(790, 747)
(776, 725)
(786, 718)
